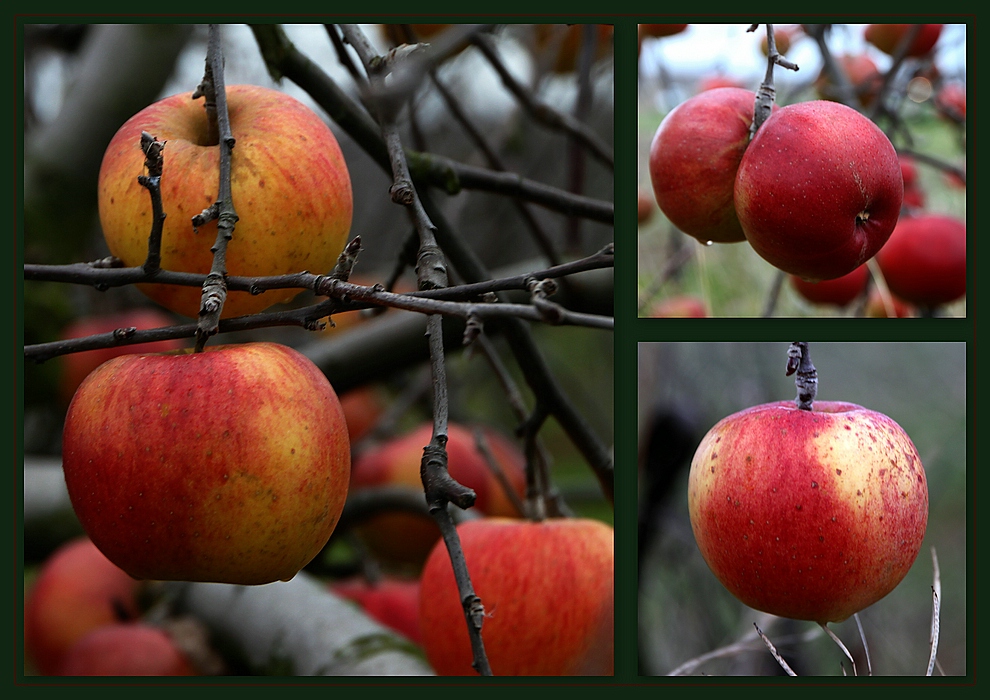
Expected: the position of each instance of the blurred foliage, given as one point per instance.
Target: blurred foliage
(683, 609)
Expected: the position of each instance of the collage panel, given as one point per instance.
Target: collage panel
(317, 349)
(803, 509)
(828, 180)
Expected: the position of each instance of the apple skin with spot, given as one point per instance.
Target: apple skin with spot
(818, 190)
(693, 160)
(811, 515)
(229, 465)
(289, 184)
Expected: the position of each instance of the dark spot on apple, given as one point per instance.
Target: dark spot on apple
(799, 506)
(814, 484)
(848, 427)
(821, 538)
(838, 472)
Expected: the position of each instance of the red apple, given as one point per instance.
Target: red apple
(863, 75)
(782, 37)
(693, 160)
(77, 590)
(950, 101)
(644, 206)
(887, 37)
(679, 307)
(841, 291)
(394, 602)
(717, 81)
(924, 262)
(229, 465)
(404, 537)
(547, 589)
(75, 366)
(126, 650)
(291, 190)
(876, 307)
(363, 407)
(819, 190)
(812, 515)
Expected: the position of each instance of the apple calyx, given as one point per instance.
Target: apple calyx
(806, 381)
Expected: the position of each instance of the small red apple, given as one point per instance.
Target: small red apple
(717, 81)
(644, 206)
(134, 649)
(818, 190)
(863, 75)
(812, 515)
(77, 365)
(679, 307)
(362, 407)
(950, 101)
(876, 307)
(77, 590)
(290, 187)
(693, 160)
(782, 37)
(404, 537)
(229, 465)
(841, 291)
(547, 588)
(394, 602)
(924, 262)
(887, 37)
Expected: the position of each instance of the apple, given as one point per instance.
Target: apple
(950, 101)
(77, 365)
(363, 407)
(290, 188)
(877, 308)
(408, 538)
(566, 41)
(229, 465)
(782, 37)
(77, 590)
(819, 189)
(394, 602)
(887, 37)
(134, 649)
(717, 81)
(924, 262)
(863, 74)
(644, 206)
(547, 589)
(679, 307)
(693, 160)
(812, 515)
(841, 291)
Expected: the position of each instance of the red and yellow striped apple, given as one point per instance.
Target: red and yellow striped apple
(548, 592)
(290, 188)
(818, 190)
(229, 465)
(808, 514)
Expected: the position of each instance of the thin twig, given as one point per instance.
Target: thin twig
(936, 609)
(773, 650)
(842, 646)
(866, 647)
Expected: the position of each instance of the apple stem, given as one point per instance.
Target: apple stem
(806, 381)
(153, 150)
(766, 94)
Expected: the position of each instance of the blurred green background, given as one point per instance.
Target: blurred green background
(684, 612)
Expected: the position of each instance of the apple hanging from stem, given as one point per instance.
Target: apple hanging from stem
(808, 510)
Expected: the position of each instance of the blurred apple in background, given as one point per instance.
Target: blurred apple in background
(394, 602)
(408, 538)
(924, 262)
(134, 649)
(77, 590)
(887, 37)
(679, 307)
(840, 291)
